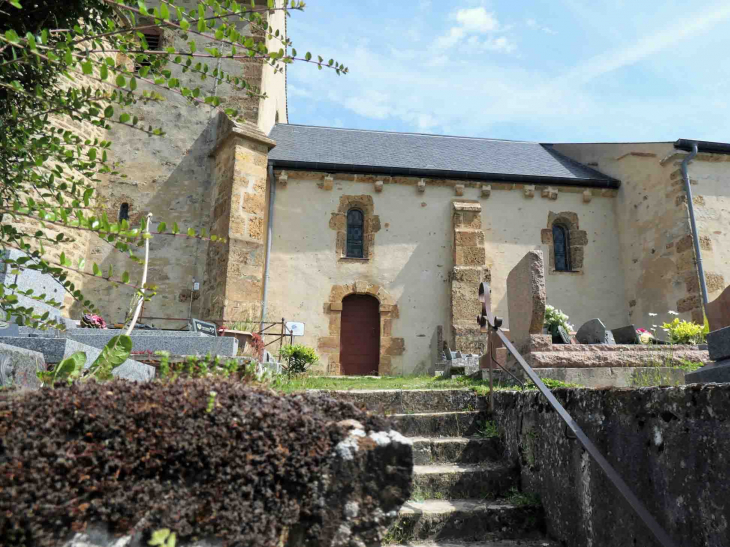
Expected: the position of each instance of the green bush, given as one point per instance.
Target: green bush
(298, 358)
(685, 332)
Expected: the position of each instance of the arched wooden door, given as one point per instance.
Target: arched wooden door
(360, 335)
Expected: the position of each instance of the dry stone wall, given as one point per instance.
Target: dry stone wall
(668, 444)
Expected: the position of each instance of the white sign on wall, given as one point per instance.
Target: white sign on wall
(295, 328)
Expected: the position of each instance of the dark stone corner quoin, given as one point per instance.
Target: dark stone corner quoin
(212, 460)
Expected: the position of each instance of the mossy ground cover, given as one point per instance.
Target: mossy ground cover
(348, 383)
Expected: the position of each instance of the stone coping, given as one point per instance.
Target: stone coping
(625, 357)
(618, 347)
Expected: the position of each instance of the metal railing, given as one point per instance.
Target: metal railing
(491, 326)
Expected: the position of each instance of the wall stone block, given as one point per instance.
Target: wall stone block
(378, 186)
(587, 196)
(529, 191)
(459, 189)
(688, 303)
(421, 185)
(486, 190)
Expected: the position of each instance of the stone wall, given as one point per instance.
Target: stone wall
(233, 285)
(669, 444)
(657, 253)
(424, 260)
(174, 178)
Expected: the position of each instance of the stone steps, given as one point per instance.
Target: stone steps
(428, 450)
(440, 424)
(495, 543)
(466, 520)
(399, 401)
(460, 481)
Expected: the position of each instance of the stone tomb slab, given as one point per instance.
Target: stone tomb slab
(594, 332)
(718, 373)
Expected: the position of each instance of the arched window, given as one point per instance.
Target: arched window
(355, 226)
(561, 246)
(124, 212)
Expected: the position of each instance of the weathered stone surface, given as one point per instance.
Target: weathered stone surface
(439, 424)
(428, 450)
(626, 335)
(618, 376)
(176, 345)
(396, 401)
(718, 343)
(526, 298)
(669, 444)
(718, 311)
(599, 355)
(464, 481)
(18, 367)
(594, 332)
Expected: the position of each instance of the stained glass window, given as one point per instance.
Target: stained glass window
(561, 245)
(355, 226)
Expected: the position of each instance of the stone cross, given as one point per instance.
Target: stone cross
(526, 298)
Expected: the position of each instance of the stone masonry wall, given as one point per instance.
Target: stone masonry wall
(174, 178)
(669, 444)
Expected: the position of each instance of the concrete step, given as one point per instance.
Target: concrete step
(462, 481)
(466, 520)
(399, 401)
(439, 424)
(428, 450)
(495, 543)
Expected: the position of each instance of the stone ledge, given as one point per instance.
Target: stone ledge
(625, 358)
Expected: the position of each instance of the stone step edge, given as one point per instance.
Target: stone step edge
(447, 507)
(459, 468)
(451, 440)
(450, 413)
(495, 543)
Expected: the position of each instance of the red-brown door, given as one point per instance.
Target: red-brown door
(360, 335)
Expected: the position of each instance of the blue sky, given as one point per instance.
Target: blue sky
(539, 70)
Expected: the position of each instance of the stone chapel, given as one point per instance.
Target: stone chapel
(377, 241)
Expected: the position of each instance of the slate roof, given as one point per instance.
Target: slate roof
(355, 150)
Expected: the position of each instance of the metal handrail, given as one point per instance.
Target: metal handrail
(491, 324)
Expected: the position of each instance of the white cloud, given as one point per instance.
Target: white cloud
(472, 23)
(533, 24)
(477, 20)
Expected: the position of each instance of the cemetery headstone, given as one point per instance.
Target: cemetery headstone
(719, 371)
(205, 327)
(594, 332)
(718, 311)
(626, 335)
(18, 367)
(526, 298)
(563, 337)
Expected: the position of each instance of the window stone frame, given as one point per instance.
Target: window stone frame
(371, 225)
(577, 239)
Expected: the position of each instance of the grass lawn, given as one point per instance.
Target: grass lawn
(347, 383)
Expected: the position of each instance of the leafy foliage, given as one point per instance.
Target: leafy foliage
(69, 65)
(86, 457)
(298, 358)
(685, 332)
(71, 369)
(554, 319)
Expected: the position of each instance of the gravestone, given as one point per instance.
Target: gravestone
(18, 367)
(526, 298)
(594, 332)
(626, 335)
(563, 336)
(718, 311)
(719, 371)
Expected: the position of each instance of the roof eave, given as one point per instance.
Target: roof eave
(606, 183)
(703, 146)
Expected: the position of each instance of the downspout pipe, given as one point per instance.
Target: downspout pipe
(695, 234)
(269, 237)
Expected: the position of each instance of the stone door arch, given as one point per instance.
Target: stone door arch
(389, 346)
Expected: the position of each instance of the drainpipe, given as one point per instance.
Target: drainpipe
(695, 235)
(269, 234)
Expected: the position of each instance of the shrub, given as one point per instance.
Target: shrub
(555, 318)
(205, 458)
(685, 332)
(298, 358)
